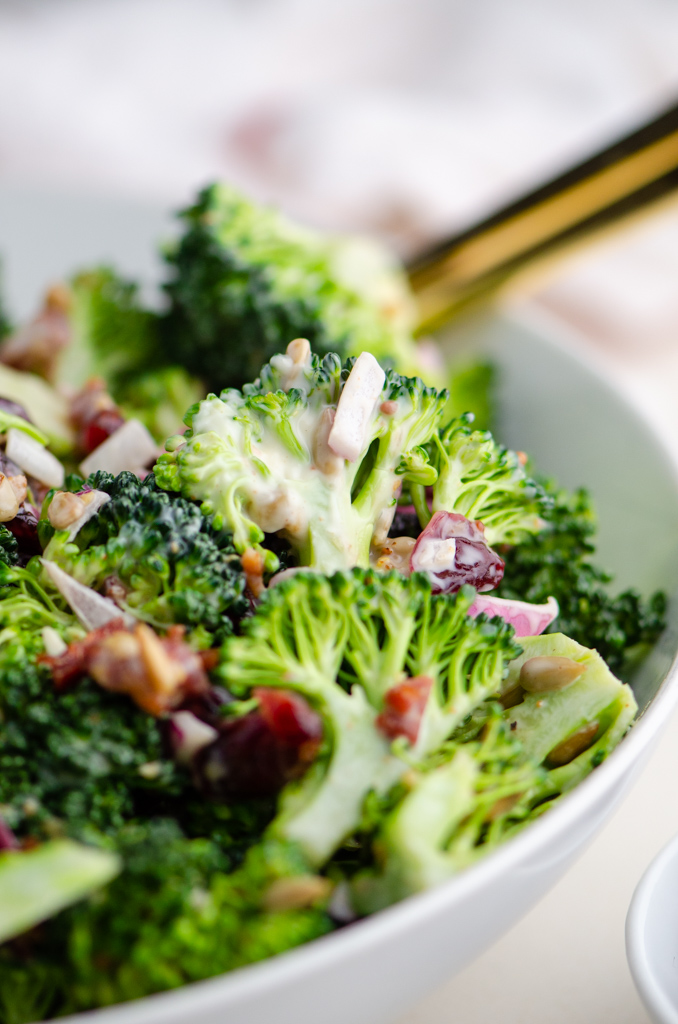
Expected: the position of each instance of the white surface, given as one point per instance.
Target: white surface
(652, 936)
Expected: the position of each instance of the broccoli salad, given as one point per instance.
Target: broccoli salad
(263, 672)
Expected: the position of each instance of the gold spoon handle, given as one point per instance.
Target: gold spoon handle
(611, 185)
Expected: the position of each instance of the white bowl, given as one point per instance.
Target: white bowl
(560, 409)
(652, 936)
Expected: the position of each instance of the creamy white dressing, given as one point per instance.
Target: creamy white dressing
(435, 554)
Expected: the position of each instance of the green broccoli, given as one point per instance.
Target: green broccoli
(37, 883)
(244, 281)
(557, 562)
(268, 459)
(173, 916)
(482, 480)
(167, 559)
(261, 461)
(9, 549)
(114, 337)
(542, 721)
(344, 643)
(459, 805)
(497, 773)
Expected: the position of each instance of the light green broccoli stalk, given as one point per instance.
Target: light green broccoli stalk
(459, 807)
(591, 715)
(312, 451)
(36, 884)
(481, 480)
(244, 281)
(344, 643)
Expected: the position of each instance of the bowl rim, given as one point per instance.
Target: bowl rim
(294, 966)
(653, 996)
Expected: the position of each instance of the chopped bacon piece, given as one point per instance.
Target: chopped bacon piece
(72, 665)
(404, 706)
(158, 673)
(257, 754)
(252, 562)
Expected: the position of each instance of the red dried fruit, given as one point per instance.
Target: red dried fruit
(404, 706)
(99, 429)
(257, 754)
(452, 551)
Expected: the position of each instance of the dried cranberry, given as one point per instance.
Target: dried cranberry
(14, 409)
(452, 551)
(257, 754)
(404, 707)
(100, 428)
(24, 528)
(207, 706)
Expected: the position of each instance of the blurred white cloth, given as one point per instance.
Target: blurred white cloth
(407, 118)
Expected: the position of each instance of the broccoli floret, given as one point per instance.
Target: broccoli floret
(498, 772)
(244, 281)
(343, 643)
(260, 460)
(482, 480)
(460, 805)
(171, 563)
(113, 336)
(557, 562)
(172, 917)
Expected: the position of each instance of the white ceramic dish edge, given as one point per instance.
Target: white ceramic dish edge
(658, 1004)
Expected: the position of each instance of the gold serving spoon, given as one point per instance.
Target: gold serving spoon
(616, 183)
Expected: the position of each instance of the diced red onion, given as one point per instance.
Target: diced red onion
(452, 551)
(527, 619)
(90, 608)
(188, 735)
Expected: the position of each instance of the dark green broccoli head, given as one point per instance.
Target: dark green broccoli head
(172, 564)
(557, 562)
(9, 549)
(244, 282)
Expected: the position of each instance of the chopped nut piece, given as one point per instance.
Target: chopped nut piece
(548, 674)
(395, 554)
(165, 673)
(9, 503)
(295, 893)
(65, 509)
(575, 744)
